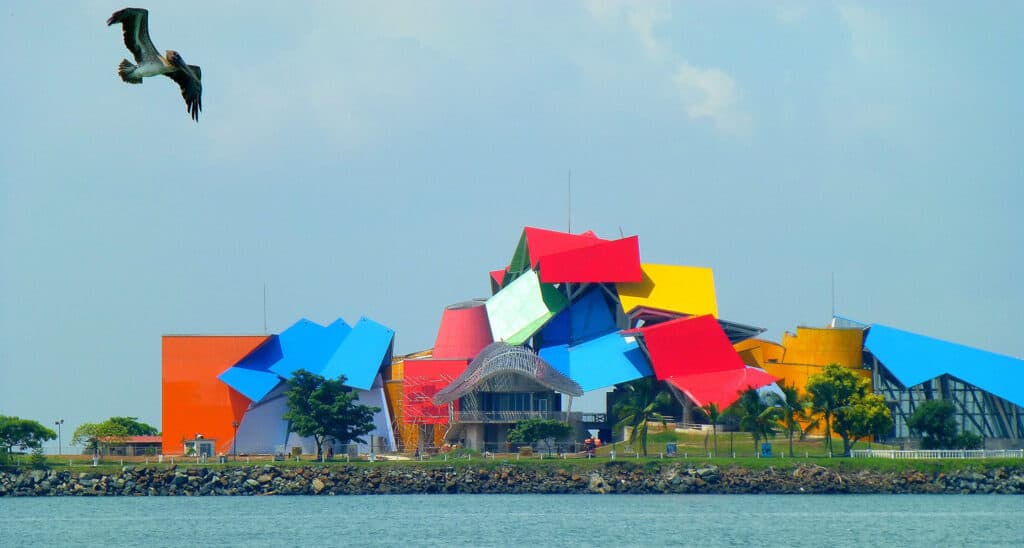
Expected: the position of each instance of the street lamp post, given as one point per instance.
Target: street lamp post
(234, 440)
(58, 422)
(195, 444)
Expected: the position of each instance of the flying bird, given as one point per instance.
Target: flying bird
(135, 22)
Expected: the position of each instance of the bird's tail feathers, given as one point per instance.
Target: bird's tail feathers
(125, 69)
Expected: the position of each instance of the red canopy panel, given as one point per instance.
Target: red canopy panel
(600, 261)
(541, 242)
(497, 277)
(422, 380)
(464, 331)
(720, 387)
(689, 346)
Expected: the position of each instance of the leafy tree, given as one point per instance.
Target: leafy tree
(534, 430)
(865, 415)
(847, 406)
(23, 433)
(758, 415)
(644, 401)
(134, 427)
(714, 415)
(324, 408)
(968, 440)
(794, 412)
(96, 437)
(935, 421)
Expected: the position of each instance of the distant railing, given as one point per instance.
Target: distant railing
(509, 416)
(940, 454)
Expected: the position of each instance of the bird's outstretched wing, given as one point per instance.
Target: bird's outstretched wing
(189, 77)
(135, 22)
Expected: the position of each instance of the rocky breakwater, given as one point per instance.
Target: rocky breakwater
(613, 477)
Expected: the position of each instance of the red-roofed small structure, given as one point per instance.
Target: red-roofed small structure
(133, 446)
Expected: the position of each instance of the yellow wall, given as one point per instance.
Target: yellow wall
(822, 346)
(756, 352)
(684, 289)
(806, 353)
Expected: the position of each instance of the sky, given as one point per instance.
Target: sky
(378, 159)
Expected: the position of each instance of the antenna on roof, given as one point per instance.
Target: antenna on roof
(833, 294)
(570, 200)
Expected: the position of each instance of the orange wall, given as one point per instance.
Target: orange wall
(194, 399)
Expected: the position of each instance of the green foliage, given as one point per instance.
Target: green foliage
(714, 415)
(866, 415)
(645, 400)
(95, 437)
(968, 440)
(759, 416)
(324, 408)
(795, 410)
(133, 426)
(38, 459)
(534, 430)
(847, 406)
(23, 433)
(935, 422)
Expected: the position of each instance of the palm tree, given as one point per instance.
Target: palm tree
(713, 414)
(758, 417)
(794, 412)
(643, 402)
(824, 400)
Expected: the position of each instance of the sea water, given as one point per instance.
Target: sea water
(517, 520)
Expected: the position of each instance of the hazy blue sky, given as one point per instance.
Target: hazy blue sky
(379, 158)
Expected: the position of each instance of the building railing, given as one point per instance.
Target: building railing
(939, 454)
(512, 416)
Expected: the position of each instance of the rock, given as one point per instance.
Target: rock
(318, 485)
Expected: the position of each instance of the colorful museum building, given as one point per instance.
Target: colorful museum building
(570, 314)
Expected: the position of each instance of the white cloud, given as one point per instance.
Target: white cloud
(711, 93)
(869, 33)
(641, 18)
(706, 93)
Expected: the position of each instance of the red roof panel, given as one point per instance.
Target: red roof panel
(601, 261)
(689, 346)
(542, 242)
(720, 387)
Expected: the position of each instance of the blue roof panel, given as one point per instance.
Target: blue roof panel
(914, 359)
(252, 375)
(308, 345)
(599, 363)
(253, 384)
(361, 354)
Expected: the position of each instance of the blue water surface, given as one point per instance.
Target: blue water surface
(517, 520)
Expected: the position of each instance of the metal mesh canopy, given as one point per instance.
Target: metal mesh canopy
(499, 364)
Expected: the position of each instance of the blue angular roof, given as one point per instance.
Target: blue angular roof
(599, 363)
(308, 345)
(914, 359)
(361, 354)
(252, 375)
(587, 317)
